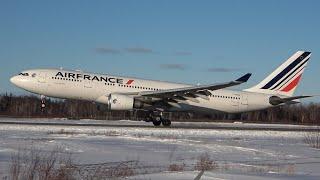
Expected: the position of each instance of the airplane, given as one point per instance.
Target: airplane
(156, 97)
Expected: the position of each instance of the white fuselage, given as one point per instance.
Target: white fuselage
(88, 86)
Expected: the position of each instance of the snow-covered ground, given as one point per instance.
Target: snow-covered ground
(237, 154)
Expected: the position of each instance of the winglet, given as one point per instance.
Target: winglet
(244, 78)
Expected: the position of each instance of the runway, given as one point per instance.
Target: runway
(175, 125)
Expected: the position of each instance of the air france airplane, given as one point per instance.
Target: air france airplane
(125, 93)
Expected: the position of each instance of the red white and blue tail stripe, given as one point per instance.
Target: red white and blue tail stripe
(285, 79)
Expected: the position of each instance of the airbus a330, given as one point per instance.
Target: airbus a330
(155, 97)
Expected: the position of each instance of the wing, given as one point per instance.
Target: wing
(172, 96)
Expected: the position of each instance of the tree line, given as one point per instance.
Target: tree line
(30, 106)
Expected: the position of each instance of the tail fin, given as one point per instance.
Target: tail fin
(285, 79)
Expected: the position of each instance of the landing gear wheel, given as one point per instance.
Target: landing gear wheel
(166, 122)
(157, 119)
(156, 123)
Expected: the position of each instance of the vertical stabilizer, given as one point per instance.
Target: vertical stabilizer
(285, 79)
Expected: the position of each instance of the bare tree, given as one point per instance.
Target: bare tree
(35, 164)
(29, 106)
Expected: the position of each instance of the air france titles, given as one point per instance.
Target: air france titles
(89, 77)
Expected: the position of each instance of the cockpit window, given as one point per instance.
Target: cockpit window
(24, 74)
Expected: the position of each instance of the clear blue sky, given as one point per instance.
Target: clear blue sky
(184, 41)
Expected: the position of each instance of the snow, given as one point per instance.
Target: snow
(239, 154)
(211, 176)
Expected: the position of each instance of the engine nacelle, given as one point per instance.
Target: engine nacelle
(120, 102)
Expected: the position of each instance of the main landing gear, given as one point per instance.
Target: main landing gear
(157, 119)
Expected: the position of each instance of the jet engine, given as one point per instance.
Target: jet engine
(120, 102)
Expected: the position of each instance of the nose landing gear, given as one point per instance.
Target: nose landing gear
(43, 103)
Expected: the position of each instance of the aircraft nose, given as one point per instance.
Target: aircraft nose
(14, 80)
(21, 81)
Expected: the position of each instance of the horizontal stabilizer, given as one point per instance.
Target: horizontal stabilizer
(275, 100)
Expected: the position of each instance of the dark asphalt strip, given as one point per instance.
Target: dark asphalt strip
(173, 126)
